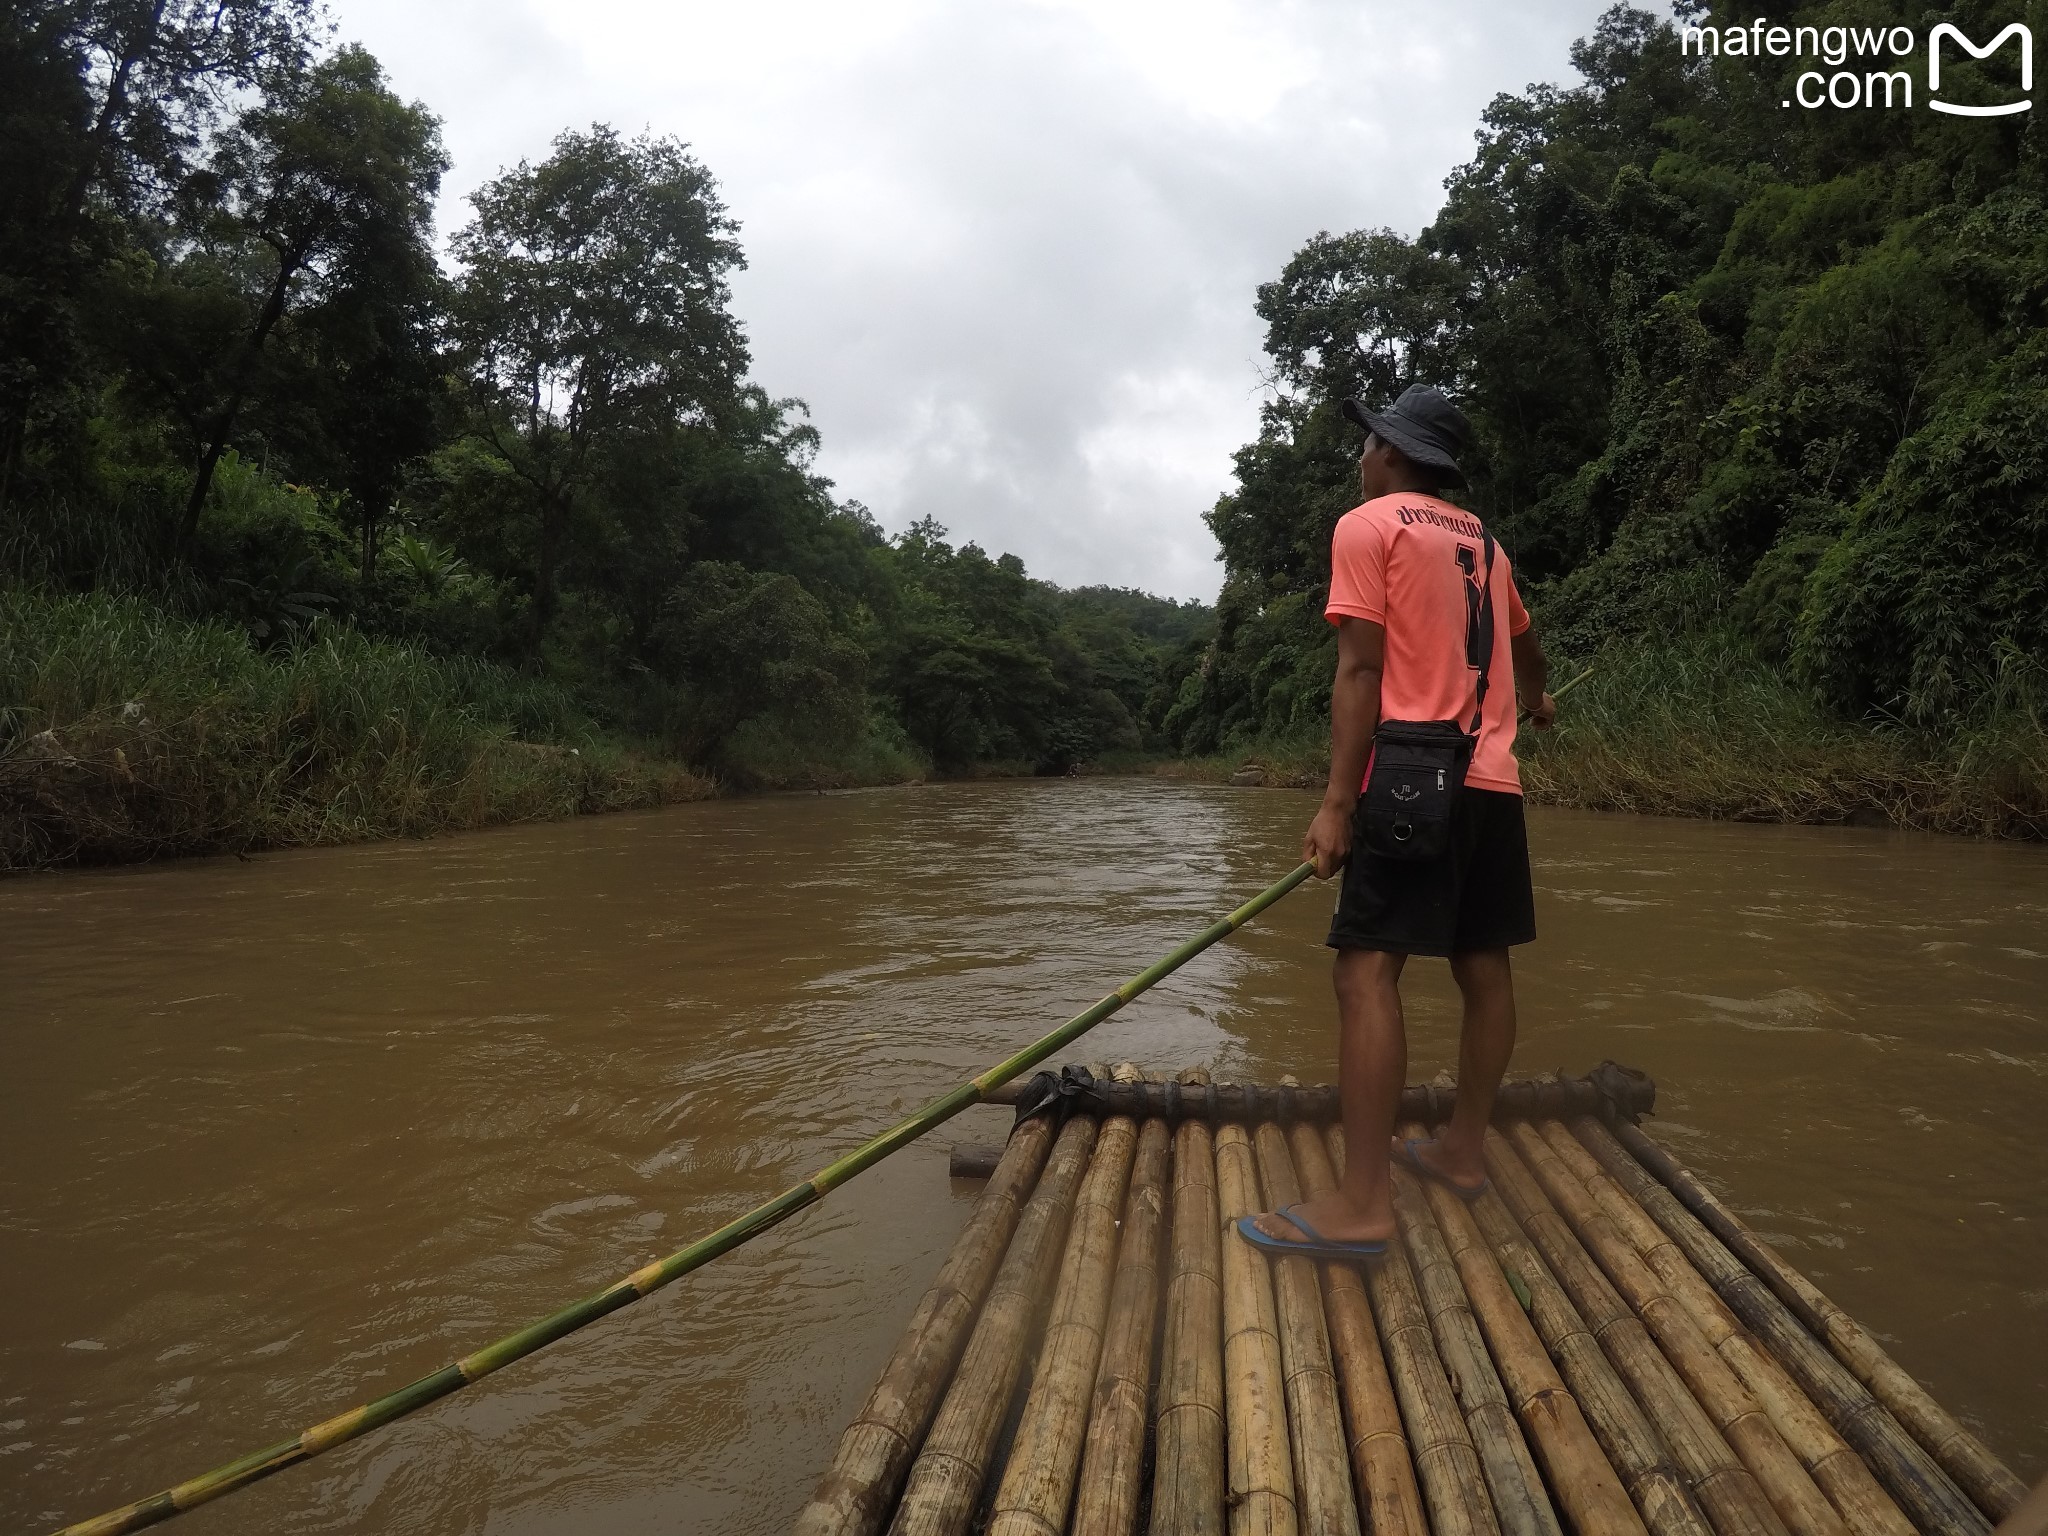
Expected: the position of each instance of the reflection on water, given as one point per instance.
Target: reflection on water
(282, 1134)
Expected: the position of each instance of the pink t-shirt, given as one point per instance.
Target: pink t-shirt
(1408, 562)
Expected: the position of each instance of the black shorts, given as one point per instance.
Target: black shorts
(1478, 898)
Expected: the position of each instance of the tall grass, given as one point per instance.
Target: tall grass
(1708, 728)
(1704, 726)
(127, 732)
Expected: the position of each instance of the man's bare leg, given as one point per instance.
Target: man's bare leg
(1485, 1044)
(1372, 1064)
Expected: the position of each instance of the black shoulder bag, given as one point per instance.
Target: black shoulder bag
(1418, 766)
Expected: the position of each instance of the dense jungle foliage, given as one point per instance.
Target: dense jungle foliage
(1761, 395)
(245, 410)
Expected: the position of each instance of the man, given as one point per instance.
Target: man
(1415, 587)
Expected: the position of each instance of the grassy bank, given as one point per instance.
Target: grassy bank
(127, 733)
(1709, 729)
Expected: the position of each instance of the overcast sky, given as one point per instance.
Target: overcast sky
(1006, 249)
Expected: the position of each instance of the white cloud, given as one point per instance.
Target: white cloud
(1006, 249)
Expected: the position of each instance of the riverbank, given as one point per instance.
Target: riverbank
(127, 733)
(131, 734)
(1717, 733)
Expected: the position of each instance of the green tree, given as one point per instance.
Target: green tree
(1727, 368)
(333, 178)
(107, 107)
(593, 309)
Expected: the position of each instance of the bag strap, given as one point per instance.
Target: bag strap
(1485, 636)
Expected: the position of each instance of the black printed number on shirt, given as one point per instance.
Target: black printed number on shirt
(1468, 562)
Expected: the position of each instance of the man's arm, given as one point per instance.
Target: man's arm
(1354, 716)
(1532, 676)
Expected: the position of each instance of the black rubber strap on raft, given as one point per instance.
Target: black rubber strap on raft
(1625, 1093)
(1060, 1094)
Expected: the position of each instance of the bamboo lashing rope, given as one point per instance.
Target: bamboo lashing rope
(650, 1278)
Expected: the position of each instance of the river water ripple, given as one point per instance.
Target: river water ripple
(279, 1135)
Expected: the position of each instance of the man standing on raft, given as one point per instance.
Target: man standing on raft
(1427, 618)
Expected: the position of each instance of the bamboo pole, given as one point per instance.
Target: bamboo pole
(1430, 1103)
(1380, 1467)
(1840, 1473)
(1037, 1485)
(1261, 1465)
(1188, 1476)
(1578, 1472)
(1961, 1454)
(1519, 1503)
(1733, 1408)
(1322, 1471)
(855, 1494)
(1631, 1443)
(1112, 1462)
(1446, 1461)
(1725, 1488)
(1930, 1499)
(650, 1278)
(951, 1466)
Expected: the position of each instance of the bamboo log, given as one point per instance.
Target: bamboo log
(1384, 1475)
(1446, 1461)
(855, 1494)
(1833, 1465)
(946, 1478)
(1961, 1454)
(1112, 1463)
(1262, 1491)
(1322, 1472)
(1724, 1487)
(1579, 1474)
(1631, 1443)
(1520, 1505)
(973, 1160)
(1431, 1104)
(1187, 1486)
(1037, 1485)
(1907, 1470)
(1733, 1408)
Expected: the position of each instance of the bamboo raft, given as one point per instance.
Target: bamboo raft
(1597, 1345)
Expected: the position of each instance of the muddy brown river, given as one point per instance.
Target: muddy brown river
(279, 1135)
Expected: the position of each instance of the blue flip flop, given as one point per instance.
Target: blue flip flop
(1467, 1192)
(1317, 1246)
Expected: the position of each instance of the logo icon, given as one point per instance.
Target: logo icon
(1406, 792)
(1950, 29)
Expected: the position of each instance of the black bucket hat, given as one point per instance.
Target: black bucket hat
(1424, 425)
